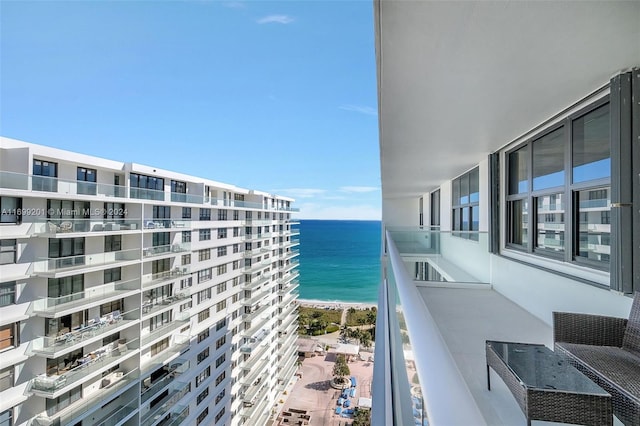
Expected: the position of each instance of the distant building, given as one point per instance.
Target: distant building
(131, 295)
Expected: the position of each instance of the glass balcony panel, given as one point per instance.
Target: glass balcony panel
(146, 194)
(48, 306)
(178, 415)
(102, 326)
(92, 362)
(181, 319)
(173, 371)
(65, 226)
(119, 413)
(166, 223)
(178, 345)
(177, 391)
(52, 265)
(150, 280)
(166, 249)
(92, 401)
(53, 184)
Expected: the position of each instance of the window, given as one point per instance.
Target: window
(8, 251)
(7, 293)
(146, 187)
(236, 264)
(70, 248)
(220, 377)
(222, 215)
(220, 396)
(114, 211)
(236, 248)
(221, 324)
(111, 307)
(87, 181)
(220, 414)
(205, 214)
(204, 275)
(112, 243)
(204, 254)
(567, 198)
(44, 176)
(222, 269)
(9, 336)
(220, 288)
(65, 289)
(186, 259)
(203, 315)
(186, 282)
(220, 342)
(203, 335)
(435, 208)
(156, 348)
(202, 416)
(465, 201)
(221, 359)
(221, 305)
(6, 417)
(6, 378)
(160, 266)
(178, 191)
(203, 355)
(222, 233)
(204, 295)
(203, 376)
(204, 234)
(222, 251)
(202, 395)
(186, 212)
(113, 274)
(160, 320)
(63, 401)
(186, 236)
(10, 208)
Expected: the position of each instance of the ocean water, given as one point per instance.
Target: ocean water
(340, 260)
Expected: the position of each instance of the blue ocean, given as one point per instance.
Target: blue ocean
(340, 260)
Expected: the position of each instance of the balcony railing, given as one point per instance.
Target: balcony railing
(27, 182)
(52, 265)
(178, 415)
(436, 255)
(48, 306)
(119, 413)
(254, 341)
(178, 321)
(404, 326)
(174, 371)
(53, 227)
(177, 391)
(48, 386)
(150, 280)
(92, 401)
(166, 249)
(150, 307)
(103, 326)
(178, 345)
(167, 223)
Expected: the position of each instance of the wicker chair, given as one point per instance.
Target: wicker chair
(607, 350)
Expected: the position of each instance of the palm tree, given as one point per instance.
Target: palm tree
(341, 369)
(371, 317)
(365, 339)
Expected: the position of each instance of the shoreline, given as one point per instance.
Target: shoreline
(335, 304)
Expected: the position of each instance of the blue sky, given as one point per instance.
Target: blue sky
(276, 96)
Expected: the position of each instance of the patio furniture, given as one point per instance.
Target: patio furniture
(546, 386)
(607, 350)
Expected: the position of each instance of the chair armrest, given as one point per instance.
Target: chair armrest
(588, 329)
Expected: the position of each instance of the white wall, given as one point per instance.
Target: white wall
(401, 211)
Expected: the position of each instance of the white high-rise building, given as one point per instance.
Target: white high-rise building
(510, 163)
(131, 295)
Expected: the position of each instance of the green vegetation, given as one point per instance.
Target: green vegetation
(363, 337)
(361, 316)
(362, 418)
(315, 321)
(341, 369)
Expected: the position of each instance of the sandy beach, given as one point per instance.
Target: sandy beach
(336, 304)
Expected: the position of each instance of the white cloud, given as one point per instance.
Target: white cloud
(359, 108)
(300, 192)
(276, 19)
(327, 212)
(361, 189)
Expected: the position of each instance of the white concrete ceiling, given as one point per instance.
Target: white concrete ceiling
(458, 80)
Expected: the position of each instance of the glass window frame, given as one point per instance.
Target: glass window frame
(570, 192)
(463, 207)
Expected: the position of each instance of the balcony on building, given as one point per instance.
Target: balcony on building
(83, 368)
(26, 182)
(286, 311)
(289, 266)
(256, 281)
(287, 288)
(439, 309)
(179, 320)
(159, 278)
(79, 335)
(179, 344)
(167, 249)
(69, 227)
(172, 225)
(112, 386)
(64, 266)
(91, 296)
(165, 402)
(255, 404)
(154, 304)
(253, 341)
(162, 377)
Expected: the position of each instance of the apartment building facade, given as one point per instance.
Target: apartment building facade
(511, 182)
(131, 295)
